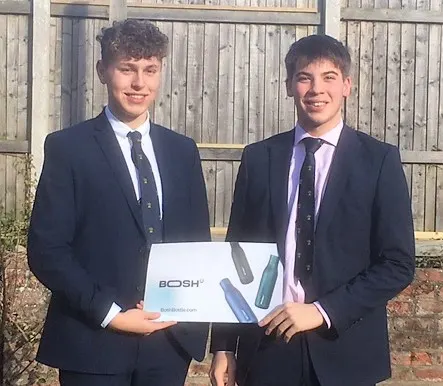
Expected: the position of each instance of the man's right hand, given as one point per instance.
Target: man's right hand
(223, 363)
(138, 322)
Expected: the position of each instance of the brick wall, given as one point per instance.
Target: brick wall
(416, 330)
(416, 335)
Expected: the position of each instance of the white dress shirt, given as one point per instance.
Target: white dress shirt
(121, 131)
(292, 288)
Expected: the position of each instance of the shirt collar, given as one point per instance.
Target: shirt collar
(121, 129)
(331, 137)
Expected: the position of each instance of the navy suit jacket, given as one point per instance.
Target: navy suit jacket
(87, 244)
(364, 251)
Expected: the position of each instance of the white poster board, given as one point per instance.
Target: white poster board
(213, 281)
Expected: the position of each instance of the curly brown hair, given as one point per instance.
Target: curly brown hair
(132, 38)
(317, 47)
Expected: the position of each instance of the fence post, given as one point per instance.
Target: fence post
(118, 10)
(330, 10)
(41, 18)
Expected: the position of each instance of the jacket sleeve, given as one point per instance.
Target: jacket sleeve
(52, 234)
(392, 248)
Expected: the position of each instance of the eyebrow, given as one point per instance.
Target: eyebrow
(133, 66)
(323, 73)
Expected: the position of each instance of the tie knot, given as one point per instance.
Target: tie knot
(135, 136)
(312, 144)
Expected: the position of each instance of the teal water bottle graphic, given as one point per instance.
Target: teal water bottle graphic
(267, 283)
(237, 302)
(241, 263)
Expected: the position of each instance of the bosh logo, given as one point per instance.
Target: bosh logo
(180, 283)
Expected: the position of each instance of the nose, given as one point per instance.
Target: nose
(138, 80)
(317, 86)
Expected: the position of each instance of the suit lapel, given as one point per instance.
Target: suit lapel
(280, 154)
(112, 151)
(346, 154)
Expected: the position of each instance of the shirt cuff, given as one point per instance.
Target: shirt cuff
(324, 314)
(113, 311)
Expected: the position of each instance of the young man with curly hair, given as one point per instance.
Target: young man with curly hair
(110, 188)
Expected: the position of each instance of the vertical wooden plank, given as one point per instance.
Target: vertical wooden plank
(353, 44)
(40, 79)
(420, 117)
(439, 196)
(99, 98)
(241, 84)
(365, 79)
(75, 71)
(3, 105)
(434, 174)
(58, 75)
(22, 104)
(210, 112)
(66, 76)
(272, 80)
(11, 107)
(194, 81)
(85, 69)
(118, 10)
(286, 104)
(393, 79)
(52, 68)
(163, 101)
(331, 17)
(178, 85)
(407, 90)
(379, 76)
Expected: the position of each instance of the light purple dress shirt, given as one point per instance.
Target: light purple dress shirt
(292, 288)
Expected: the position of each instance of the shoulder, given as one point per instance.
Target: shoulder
(173, 139)
(284, 139)
(371, 145)
(71, 135)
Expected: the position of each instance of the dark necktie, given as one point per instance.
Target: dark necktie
(306, 211)
(148, 192)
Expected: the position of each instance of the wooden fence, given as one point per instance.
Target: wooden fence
(223, 82)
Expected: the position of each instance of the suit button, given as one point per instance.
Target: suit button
(139, 289)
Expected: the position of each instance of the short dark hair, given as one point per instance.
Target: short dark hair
(132, 38)
(317, 47)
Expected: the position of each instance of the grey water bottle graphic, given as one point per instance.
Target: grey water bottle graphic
(267, 283)
(237, 302)
(241, 263)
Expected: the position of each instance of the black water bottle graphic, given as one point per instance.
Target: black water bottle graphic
(241, 263)
(267, 283)
(237, 303)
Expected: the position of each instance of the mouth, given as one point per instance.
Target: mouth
(136, 97)
(317, 104)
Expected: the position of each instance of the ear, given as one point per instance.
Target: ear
(289, 92)
(101, 71)
(347, 85)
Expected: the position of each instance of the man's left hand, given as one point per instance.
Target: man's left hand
(292, 318)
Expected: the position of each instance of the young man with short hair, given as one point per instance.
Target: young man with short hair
(336, 203)
(110, 188)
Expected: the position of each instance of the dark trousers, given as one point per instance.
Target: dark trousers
(277, 363)
(160, 362)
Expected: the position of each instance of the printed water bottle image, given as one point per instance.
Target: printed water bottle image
(267, 283)
(241, 263)
(237, 302)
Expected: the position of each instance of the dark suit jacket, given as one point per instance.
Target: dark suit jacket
(364, 251)
(87, 244)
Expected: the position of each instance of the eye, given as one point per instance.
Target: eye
(125, 69)
(303, 79)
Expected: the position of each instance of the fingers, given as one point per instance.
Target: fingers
(268, 318)
(141, 305)
(231, 376)
(152, 315)
(280, 318)
(283, 327)
(161, 325)
(290, 333)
